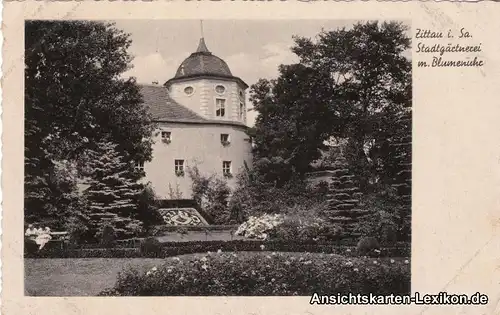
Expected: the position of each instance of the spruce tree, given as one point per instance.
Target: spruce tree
(113, 193)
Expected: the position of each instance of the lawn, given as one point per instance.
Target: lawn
(76, 277)
(89, 276)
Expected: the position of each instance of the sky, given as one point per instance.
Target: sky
(252, 49)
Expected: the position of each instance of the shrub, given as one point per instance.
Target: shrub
(108, 237)
(305, 224)
(147, 207)
(151, 247)
(30, 247)
(58, 250)
(367, 245)
(212, 194)
(386, 221)
(258, 227)
(258, 274)
(254, 196)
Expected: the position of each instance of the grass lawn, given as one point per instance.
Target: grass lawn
(89, 276)
(76, 277)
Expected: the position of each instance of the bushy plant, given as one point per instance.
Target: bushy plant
(108, 236)
(147, 207)
(385, 221)
(253, 196)
(212, 194)
(150, 247)
(260, 274)
(367, 246)
(78, 231)
(259, 227)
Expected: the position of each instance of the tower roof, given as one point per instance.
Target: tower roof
(202, 62)
(163, 108)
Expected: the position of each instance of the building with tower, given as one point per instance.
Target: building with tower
(201, 117)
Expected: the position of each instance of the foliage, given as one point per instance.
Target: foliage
(75, 96)
(212, 194)
(108, 236)
(147, 207)
(78, 230)
(367, 245)
(387, 222)
(275, 274)
(112, 196)
(253, 196)
(150, 247)
(340, 246)
(258, 227)
(306, 225)
(350, 84)
(174, 193)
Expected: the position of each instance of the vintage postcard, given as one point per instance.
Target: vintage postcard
(248, 157)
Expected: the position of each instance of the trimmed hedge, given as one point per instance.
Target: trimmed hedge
(157, 230)
(183, 248)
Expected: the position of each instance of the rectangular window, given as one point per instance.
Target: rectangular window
(166, 135)
(179, 167)
(224, 138)
(226, 168)
(139, 166)
(220, 107)
(242, 111)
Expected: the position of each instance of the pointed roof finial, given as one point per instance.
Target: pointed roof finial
(202, 47)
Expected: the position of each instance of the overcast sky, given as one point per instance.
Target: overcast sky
(252, 49)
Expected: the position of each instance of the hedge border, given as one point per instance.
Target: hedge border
(198, 247)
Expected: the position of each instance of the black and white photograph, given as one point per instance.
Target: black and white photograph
(204, 157)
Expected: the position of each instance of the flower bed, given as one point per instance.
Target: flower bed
(261, 274)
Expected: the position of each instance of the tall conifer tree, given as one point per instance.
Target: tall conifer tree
(112, 195)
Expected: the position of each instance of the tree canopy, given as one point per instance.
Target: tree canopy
(349, 84)
(74, 97)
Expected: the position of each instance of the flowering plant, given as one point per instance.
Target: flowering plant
(258, 227)
(179, 173)
(264, 273)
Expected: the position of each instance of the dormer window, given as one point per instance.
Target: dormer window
(189, 90)
(220, 89)
(220, 107)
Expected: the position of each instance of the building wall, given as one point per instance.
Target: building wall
(202, 100)
(198, 145)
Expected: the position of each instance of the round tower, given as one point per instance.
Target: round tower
(204, 83)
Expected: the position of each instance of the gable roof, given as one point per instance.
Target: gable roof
(164, 109)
